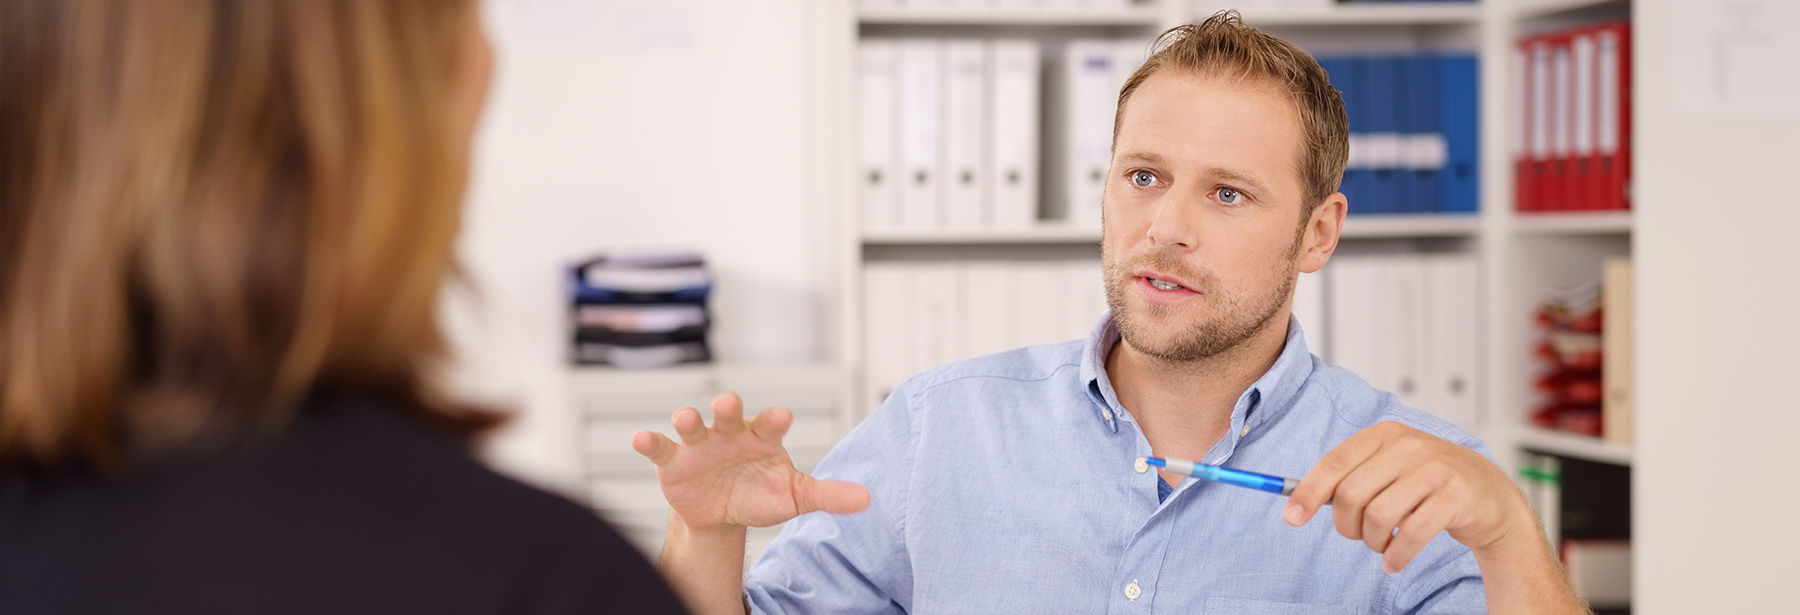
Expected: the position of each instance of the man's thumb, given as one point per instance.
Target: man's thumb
(832, 496)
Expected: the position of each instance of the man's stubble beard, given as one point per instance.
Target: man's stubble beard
(1236, 319)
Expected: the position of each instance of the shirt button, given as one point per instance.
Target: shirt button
(1245, 432)
(1106, 414)
(1132, 592)
(1141, 465)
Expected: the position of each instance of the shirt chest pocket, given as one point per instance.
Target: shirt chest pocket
(1220, 605)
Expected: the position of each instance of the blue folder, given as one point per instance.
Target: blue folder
(1420, 189)
(1459, 111)
(1381, 100)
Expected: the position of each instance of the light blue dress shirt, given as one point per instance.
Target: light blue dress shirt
(1005, 484)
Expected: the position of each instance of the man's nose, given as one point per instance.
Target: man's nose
(1172, 224)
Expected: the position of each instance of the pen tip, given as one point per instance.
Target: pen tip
(1156, 461)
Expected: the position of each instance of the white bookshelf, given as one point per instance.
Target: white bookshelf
(1521, 254)
(1039, 234)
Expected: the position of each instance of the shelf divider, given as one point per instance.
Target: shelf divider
(1574, 223)
(1572, 445)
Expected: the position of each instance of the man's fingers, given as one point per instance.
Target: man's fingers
(1321, 482)
(1373, 498)
(689, 426)
(772, 423)
(832, 496)
(1417, 530)
(659, 448)
(1389, 510)
(728, 414)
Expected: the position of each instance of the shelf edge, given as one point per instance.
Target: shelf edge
(1573, 445)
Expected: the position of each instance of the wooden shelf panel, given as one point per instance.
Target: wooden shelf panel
(1573, 445)
(1041, 234)
(1574, 223)
(1423, 225)
(1354, 227)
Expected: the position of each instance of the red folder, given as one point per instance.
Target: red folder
(1558, 183)
(1584, 183)
(1524, 186)
(1539, 112)
(1612, 152)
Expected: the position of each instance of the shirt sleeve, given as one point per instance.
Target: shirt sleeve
(1444, 579)
(855, 563)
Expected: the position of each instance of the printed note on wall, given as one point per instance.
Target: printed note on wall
(1736, 58)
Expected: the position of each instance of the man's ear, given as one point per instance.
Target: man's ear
(1322, 231)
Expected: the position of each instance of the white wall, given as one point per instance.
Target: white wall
(1718, 418)
(630, 123)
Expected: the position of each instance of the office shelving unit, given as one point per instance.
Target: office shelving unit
(1539, 250)
(1520, 254)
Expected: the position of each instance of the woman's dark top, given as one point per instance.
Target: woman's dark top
(354, 509)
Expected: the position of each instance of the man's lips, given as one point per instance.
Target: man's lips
(1163, 282)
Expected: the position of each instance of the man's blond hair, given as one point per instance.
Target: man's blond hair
(1222, 46)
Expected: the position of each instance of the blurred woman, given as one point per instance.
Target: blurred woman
(223, 226)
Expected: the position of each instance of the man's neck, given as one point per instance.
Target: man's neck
(1184, 407)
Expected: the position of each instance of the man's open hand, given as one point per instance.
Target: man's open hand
(736, 472)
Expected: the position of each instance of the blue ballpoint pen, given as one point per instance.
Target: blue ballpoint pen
(1262, 482)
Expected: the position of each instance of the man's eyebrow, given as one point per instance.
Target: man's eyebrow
(1243, 177)
(1144, 157)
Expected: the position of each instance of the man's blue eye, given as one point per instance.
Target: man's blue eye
(1143, 179)
(1229, 196)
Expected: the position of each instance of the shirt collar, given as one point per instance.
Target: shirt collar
(1264, 401)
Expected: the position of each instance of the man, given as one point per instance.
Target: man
(1013, 483)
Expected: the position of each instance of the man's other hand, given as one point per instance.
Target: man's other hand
(736, 472)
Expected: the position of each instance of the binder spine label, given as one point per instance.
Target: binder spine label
(1609, 93)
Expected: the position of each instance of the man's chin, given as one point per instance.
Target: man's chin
(1170, 338)
(1161, 335)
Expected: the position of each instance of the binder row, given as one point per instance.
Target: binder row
(1414, 132)
(949, 133)
(919, 315)
(1572, 131)
(1406, 323)
(949, 130)
(640, 309)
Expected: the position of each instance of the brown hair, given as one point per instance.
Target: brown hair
(210, 209)
(1223, 46)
